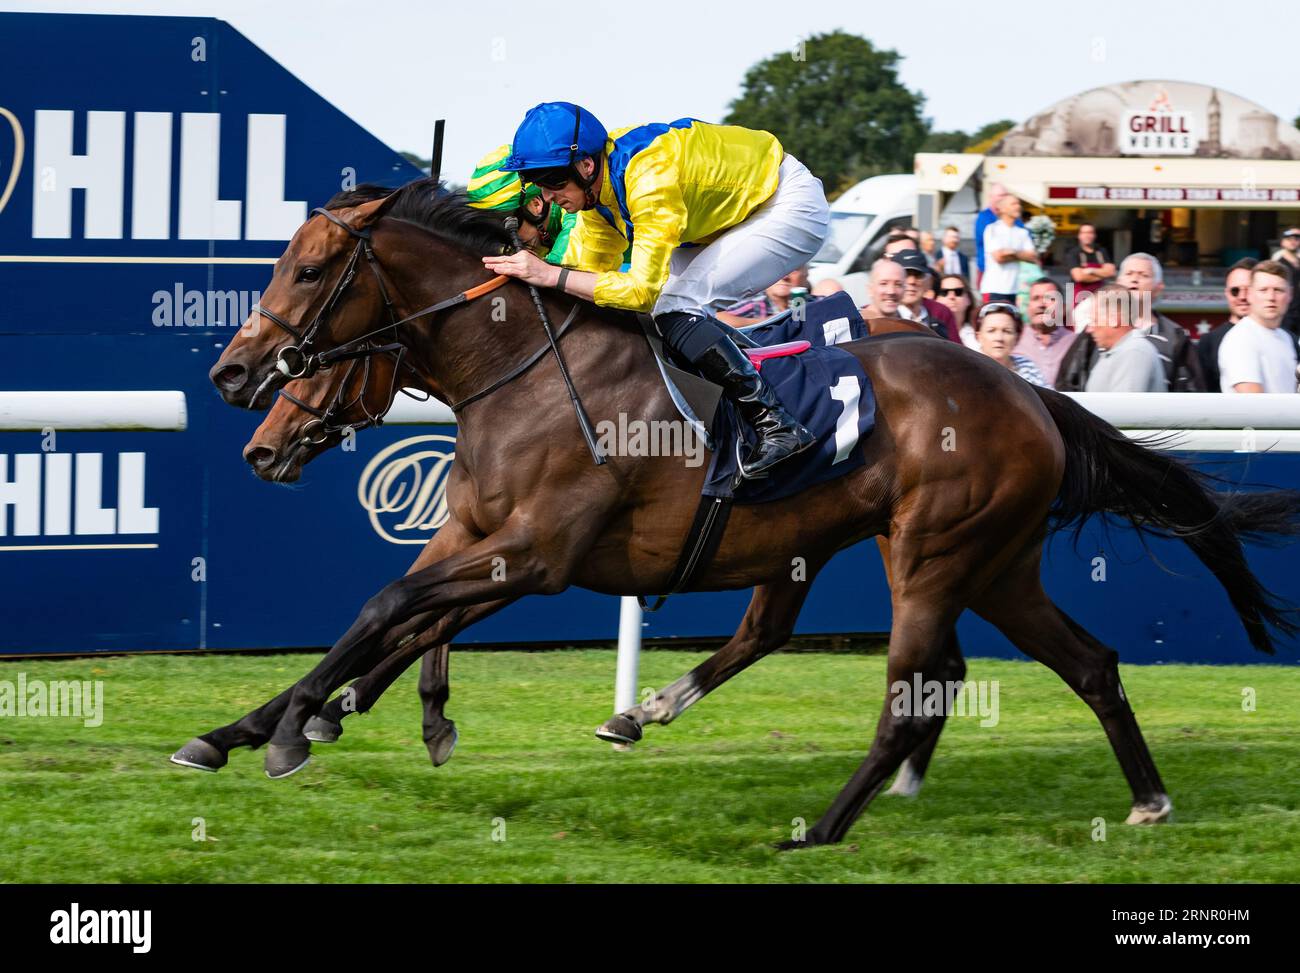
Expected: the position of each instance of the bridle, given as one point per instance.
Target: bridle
(300, 360)
(540, 222)
(330, 420)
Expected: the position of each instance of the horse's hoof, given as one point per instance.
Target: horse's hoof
(1157, 811)
(619, 729)
(793, 845)
(812, 838)
(442, 744)
(200, 755)
(320, 730)
(283, 759)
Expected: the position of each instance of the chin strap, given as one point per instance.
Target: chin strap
(588, 183)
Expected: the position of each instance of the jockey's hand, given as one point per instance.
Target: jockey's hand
(525, 265)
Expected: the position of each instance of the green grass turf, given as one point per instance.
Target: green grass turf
(701, 800)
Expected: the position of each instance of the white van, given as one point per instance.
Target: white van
(860, 221)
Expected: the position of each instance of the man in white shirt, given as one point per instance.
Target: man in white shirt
(1258, 355)
(1005, 245)
(1127, 360)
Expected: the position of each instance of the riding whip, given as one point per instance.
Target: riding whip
(435, 162)
(584, 423)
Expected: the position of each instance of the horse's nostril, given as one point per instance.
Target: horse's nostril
(260, 457)
(229, 378)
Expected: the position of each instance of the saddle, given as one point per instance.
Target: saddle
(830, 321)
(824, 387)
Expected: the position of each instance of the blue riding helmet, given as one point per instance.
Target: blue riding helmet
(555, 134)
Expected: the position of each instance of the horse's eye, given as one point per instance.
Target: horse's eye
(309, 275)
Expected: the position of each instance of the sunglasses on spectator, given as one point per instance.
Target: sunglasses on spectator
(953, 291)
(1235, 291)
(999, 307)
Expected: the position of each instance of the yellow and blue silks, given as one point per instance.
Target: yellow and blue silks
(668, 185)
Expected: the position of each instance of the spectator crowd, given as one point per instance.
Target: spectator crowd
(1101, 333)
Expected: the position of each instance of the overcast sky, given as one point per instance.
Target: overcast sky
(396, 65)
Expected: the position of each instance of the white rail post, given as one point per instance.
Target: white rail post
(160, 411)
(629, 653)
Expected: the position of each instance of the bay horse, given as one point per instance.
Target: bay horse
(965, 473)
(314, 414)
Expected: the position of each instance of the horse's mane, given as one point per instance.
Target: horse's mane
(429, 204)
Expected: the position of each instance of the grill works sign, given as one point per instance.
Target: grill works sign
(1171, 194)
(1158, 133)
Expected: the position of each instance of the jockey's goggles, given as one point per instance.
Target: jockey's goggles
(554, 178)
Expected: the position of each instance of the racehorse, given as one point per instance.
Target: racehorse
(966, 471)
(314, 414)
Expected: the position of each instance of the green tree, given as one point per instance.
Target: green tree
(985, 137)
(999, 127)
(417, 161)
(945, 142)
(959, 141)
(836, 103)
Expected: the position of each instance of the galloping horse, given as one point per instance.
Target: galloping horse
(965, 467)
(312, 415)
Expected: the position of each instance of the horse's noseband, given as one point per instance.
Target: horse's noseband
(298, 360)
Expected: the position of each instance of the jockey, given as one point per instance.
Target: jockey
(543, 227)
(713, 214)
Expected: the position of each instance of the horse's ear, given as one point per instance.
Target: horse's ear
(368, 214)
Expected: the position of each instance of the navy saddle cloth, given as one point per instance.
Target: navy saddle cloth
(825, 388)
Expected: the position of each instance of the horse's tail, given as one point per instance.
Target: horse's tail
(1108, 473)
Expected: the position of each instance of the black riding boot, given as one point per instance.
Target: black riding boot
(780, 435)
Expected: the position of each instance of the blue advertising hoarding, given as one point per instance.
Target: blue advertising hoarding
(139, 218)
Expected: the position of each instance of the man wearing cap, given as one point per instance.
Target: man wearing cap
(1289, 252)
(915, 306)
(712, 213)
